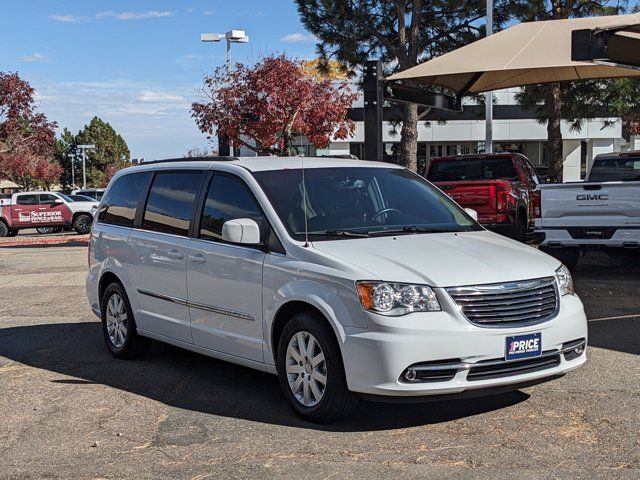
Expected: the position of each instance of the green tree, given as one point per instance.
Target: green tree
(574, 101)
(65, 146)
(111, 152)
(403, 33)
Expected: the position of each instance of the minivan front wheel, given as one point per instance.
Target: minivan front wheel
(311, 371)
(119, 326)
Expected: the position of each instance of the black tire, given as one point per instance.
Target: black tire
(134, 345)
(567, 255)
(520, 229)
(82, 224)
(4, 230)
(12, 233)
(57, 229)
(336, 400)
(45, 230)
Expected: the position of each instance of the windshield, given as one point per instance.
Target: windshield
(358, 202)
(472, 169)
(66, 197)
(615, 170)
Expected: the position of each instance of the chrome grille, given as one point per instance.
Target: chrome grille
(504, 304)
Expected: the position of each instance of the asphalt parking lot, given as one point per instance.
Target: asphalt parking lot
(69, 410)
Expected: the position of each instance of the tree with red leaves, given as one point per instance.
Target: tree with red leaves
(27, 138)
(263, 107)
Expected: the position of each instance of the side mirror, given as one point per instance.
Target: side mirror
(57, 202)
(241, 230)
(472, 213)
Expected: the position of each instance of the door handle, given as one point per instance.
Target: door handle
(197, 258)
(175, 254)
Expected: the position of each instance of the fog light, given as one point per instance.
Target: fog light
(410, 375)
(578, 350)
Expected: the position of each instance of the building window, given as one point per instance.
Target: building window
(357, 149)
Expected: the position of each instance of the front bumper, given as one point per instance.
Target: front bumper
(376, 359)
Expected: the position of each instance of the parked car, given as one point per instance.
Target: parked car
(95, 193)
(602, 211)
(546, 175)
(81, 198)
(500, 187)
(346, 278)
(44, 210)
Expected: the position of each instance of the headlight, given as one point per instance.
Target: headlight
(395, 299)
(565, 282)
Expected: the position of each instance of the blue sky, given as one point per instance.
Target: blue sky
(136, 64)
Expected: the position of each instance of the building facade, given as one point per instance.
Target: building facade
(514, 130)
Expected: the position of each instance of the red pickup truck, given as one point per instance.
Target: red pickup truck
(500, 187)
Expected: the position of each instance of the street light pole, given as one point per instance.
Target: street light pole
(83, 149)
(488, 99)
(232, 36)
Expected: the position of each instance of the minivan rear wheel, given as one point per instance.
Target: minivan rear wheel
(311, 371)
(119, 326)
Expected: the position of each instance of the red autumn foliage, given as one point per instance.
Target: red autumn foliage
(271, 102)
(633, 123)
(27, 138)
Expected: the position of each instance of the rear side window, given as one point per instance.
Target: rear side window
(228, 198)
(171, 201)
(119, 208)
(615, 169)
(472, 169)
(27, 200)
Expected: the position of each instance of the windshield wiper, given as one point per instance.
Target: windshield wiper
(407, 229)
(341, 233)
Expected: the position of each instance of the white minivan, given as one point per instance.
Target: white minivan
(345, 278)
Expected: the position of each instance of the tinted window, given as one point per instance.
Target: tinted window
(171, 201)
(27, 200)
(615, 169)
(228, 198)
(472, 169)
(119, 208)
(47, 199)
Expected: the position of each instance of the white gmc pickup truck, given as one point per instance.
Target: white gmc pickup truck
(602, 211)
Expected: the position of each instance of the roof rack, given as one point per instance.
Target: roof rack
(192, 159)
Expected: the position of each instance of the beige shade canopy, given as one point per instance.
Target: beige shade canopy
(529, 53)
(8, 184)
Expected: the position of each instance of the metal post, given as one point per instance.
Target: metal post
(73, 171)
(224, 145)
(488, 142)
(373, 103)
(84, 169)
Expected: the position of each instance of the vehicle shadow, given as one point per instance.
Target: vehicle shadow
(194, 382)
(67, 243)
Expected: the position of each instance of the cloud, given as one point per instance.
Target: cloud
(153, 96)
(68, 18)
(154, 120)
(209, 12)
(34, 57)
(134, 15)
(298, 38)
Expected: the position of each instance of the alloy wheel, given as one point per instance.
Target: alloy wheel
(116, 316)
(306, 369)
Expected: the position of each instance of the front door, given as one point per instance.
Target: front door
(158, 267)
(52, 211)
(225, 280)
